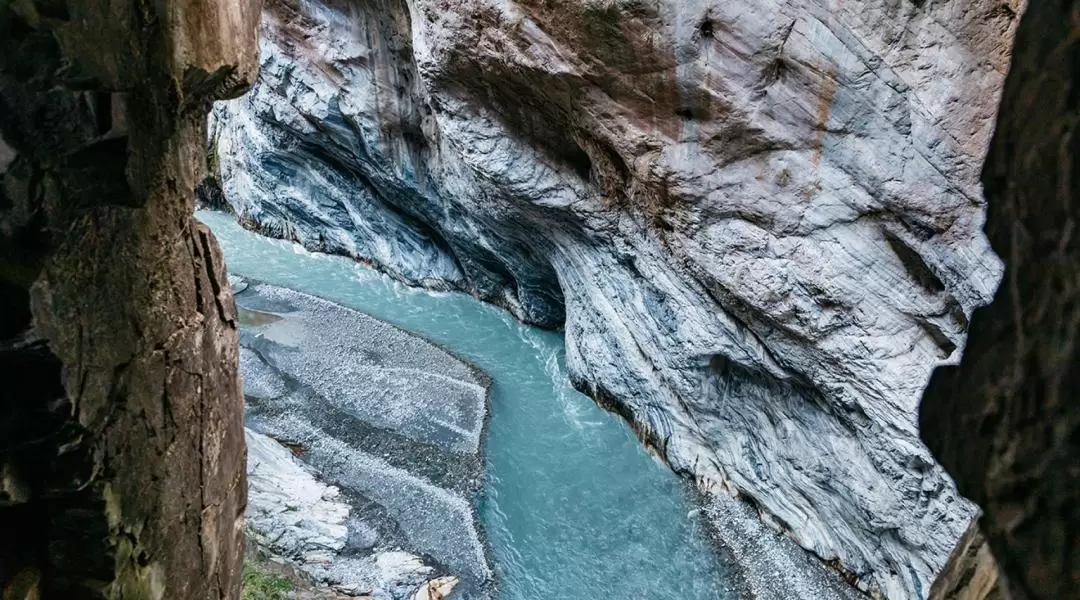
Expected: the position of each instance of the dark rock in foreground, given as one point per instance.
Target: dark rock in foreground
(1006, 421)
(122, 452)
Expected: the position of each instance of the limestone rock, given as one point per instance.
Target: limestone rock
(758, 221)
(288, 510)
(436, 589)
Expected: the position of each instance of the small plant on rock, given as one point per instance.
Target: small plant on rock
(259, 584)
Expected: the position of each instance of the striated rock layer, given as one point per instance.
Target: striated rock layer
(759, 222)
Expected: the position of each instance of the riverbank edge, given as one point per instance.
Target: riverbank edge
(483, 378)
(703, 492)
(706, 493)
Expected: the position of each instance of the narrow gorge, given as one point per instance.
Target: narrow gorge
(571, 505)
(539, 299)
(759, 225)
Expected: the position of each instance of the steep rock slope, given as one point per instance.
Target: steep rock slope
(122, 460)
(759, 222)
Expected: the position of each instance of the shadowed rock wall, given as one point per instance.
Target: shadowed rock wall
(121, 440)
(1006, 421)
(971, 573)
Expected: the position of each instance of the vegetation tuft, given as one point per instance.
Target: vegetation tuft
(259, 584)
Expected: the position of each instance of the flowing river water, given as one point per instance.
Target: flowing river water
(573, 506)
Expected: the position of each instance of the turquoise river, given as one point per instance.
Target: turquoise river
(573, 507)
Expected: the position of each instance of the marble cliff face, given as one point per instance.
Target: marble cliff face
(759, 222)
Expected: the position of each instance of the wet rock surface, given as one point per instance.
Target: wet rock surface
(365, 448)
(759, 223)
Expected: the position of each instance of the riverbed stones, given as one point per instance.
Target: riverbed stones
(767, 565)
(366, 447)
(437, 589)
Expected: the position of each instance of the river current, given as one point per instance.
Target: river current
(573, 506)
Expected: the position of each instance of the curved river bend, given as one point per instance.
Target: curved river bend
(573, 506)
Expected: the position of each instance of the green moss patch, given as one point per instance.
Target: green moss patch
(260, 584)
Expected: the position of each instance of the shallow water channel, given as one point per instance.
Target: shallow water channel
(573, 506)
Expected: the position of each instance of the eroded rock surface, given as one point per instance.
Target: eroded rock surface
(122, 452)
(296, 517)
(759, 222)
(288, 508)
(767, 564)
(386, 428)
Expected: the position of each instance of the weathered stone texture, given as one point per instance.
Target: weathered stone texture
(123, 451)
(393, 422)
(1006, 421)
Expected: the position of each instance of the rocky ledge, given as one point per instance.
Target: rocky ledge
(759, 221)
(364, 449)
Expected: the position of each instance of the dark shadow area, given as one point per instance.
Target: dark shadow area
(121, 440)
(1006, 421)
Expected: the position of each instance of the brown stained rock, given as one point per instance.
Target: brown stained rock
(1006, 421)
(123, 452)
(971, 573)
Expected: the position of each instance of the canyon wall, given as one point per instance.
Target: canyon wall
(759, 222)
(122, 452)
